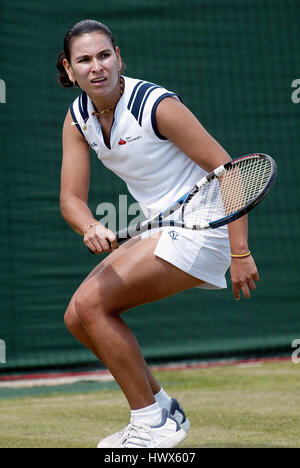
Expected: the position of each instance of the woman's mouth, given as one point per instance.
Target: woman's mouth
(99, 81)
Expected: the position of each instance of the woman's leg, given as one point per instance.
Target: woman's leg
(134, 277)
(75, 326)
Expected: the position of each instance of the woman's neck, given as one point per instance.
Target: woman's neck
(104, 104)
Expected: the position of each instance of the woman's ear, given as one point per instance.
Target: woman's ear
(69, 70)
(119, 60)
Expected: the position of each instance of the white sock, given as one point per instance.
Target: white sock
(150, 415)
(163, 399)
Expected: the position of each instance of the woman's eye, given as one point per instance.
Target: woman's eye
(102, 56)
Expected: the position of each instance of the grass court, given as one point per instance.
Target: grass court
(229, 407)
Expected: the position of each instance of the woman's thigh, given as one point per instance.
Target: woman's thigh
(131, 277)
(71, 310)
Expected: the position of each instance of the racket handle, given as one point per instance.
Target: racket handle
(94, 252)
(125, 234)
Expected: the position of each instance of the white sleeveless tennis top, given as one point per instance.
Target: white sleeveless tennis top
(155, 170)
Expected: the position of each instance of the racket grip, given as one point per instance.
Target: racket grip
(93, 253)
(125, 234)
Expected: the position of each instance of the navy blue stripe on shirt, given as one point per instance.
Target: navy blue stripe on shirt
(79, 105)
(133, 94)
(75, 120)
(153, 116)
(135, 109)
(84, 100)
(145, 100)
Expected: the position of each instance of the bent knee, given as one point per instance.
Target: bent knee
(87, 304)
(92, 302)
(71, 319)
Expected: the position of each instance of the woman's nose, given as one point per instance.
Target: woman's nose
(96, 65)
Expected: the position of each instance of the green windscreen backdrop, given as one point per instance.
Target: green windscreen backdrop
(235, 64)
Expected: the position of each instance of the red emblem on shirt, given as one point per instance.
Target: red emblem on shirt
(122, 142)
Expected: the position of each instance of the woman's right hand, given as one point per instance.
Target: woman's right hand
(100, 239)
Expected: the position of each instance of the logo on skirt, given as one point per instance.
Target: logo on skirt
(174, 235)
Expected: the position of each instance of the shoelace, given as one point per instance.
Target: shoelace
(136, 436)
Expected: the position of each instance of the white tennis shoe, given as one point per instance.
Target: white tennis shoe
(167, 435)
(176, 412)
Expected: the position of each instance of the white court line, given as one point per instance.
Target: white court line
(57, 381)
(105, 376)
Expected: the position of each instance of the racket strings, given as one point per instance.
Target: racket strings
(204, 205)
(223, 196)
(243, 182)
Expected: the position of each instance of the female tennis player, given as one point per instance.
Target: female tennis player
(146, 135)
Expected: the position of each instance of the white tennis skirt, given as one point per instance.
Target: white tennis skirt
(203, 254)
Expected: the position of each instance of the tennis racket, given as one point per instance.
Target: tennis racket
(222, 196)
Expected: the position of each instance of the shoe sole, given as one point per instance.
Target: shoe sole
(107, 446)
(172, 441)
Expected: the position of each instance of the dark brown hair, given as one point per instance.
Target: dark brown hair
(85, 26)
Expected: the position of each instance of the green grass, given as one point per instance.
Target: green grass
(228, 407)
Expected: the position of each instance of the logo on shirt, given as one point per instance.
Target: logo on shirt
(174, 235)
(129, 139)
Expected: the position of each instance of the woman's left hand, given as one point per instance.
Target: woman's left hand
(243, 276)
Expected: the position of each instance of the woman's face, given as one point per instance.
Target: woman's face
(95, 65)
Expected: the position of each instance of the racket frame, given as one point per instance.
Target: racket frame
(159, 220)
(218, 172)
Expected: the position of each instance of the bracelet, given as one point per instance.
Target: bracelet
(241, 255)
(89, 227)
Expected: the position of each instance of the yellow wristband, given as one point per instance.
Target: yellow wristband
(89, 227)
(241, 255)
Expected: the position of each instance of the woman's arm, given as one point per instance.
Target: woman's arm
(75, 179)
(175, 122)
